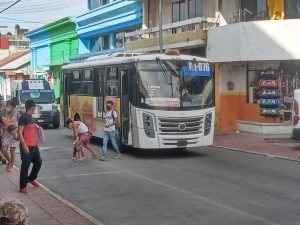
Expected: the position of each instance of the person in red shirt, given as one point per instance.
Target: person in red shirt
(28, 147)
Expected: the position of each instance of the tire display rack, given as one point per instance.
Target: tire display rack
(270, 93)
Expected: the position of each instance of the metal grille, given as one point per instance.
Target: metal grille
(45, 115)
(183, 126)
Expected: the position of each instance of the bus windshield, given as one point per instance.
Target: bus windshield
(175, 84)
(40, 96)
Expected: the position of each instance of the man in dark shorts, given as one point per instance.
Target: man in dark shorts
(28, 147)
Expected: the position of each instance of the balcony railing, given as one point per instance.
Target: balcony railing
(242, 15)
(173, 28)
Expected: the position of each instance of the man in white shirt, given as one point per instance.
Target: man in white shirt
(110, 131)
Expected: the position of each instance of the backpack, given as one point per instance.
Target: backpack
(112, 114)
(40, 134)
(118, 129)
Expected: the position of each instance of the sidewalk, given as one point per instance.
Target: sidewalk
(281, 146)
(42, 206)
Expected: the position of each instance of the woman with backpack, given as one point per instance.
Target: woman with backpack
(9, 139)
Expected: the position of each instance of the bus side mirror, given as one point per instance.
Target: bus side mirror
(58, 100)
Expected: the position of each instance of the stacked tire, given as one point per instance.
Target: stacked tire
(269, 95)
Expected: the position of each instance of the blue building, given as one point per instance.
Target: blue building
(102, 29)
(39, 49)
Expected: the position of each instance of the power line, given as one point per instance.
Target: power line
(8, 7)
(40, 10)
(46, 4)
(18, 20)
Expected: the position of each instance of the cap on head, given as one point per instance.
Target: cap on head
(109, 102)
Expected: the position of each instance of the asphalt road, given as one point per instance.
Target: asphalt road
(205, 186)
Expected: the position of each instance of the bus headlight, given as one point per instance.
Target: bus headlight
(207, 124)
(148, 125)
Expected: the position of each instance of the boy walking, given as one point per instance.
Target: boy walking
(29, 150)
(110, 131)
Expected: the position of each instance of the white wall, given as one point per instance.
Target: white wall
(254, 41)
(222, 43)
(235, 73)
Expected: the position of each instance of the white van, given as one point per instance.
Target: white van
(41, 91)
(296, 118)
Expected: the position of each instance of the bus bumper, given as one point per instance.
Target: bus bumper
(170, 141)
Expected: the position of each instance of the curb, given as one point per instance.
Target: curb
(257, 153)
(69, 204)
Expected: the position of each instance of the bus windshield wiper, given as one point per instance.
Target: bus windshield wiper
(168, 78)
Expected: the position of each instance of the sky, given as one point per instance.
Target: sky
(30, 14)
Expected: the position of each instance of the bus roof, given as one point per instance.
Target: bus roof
(123, 57)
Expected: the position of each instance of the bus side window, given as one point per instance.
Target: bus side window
(87, 83)
(75, 83)
(112, 82)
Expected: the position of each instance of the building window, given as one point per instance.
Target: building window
(94, 4)
(97, 3)
(104, 2)
(120, 39)
(254, 9)
(99, 43)
(195, 8)
(292, 9)
(178, 11)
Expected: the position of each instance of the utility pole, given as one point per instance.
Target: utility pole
(160, 27)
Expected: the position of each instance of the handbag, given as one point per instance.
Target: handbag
(118, 135)
(40, 134)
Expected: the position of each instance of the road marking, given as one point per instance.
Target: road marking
(204, 199)
(80, 174)
(47, 147)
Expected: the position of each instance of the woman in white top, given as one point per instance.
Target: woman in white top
(82, 136)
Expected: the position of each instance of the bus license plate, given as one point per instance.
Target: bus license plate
(40, 121)
(182, 143)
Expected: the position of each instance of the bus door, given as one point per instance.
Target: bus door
(125, 109)
(66, 102)
(99, 78)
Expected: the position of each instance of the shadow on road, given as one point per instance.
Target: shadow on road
(161, 153)
(144, 153)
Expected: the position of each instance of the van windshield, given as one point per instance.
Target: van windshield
(39, 96)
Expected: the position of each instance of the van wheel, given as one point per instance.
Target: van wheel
(56, 125)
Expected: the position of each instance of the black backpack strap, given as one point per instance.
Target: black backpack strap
(112, 114)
